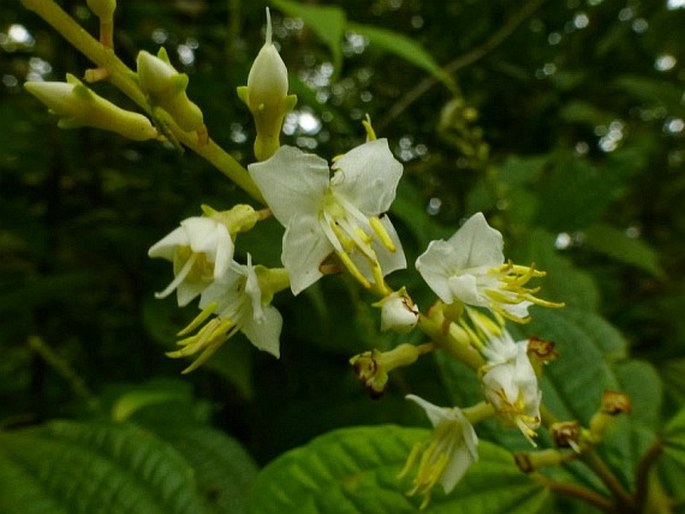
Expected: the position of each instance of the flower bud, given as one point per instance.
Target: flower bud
(266, 95)
(78, 106)
(398, 312)
(102, 8)
(166, 88)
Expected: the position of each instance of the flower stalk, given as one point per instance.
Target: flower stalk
(123, 78)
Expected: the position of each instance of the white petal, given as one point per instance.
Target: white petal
(253, 291)
(225, 292)
(434, 265)
(518, 310)
(368, 176)
(390, 261)
(224, 251)
(477, 244)
(166, 247)
(435, 414)
(265, 334)
(293, 183)
(457, 466)
(202, 233)
(465, 287)
(187, 291)
(305, 247)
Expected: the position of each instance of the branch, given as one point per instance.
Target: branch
(462, 61)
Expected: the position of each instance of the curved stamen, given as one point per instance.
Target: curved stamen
(180, 276)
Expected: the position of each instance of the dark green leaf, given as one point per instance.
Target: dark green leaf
(404, 47)
(70, 468)
(354, 470)
(629, 250)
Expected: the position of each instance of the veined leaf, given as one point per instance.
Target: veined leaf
(67, 467)
(327, 21)
(616, 244)
(354, 470)
(406, 48)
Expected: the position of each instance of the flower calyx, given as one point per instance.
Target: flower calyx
(373, 367)
(613, 403)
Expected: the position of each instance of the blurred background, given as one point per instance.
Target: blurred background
(564, 121)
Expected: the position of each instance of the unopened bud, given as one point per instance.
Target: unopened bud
(267, 82)
(78, 106)
(398, 312)
(166, 88)
(266, 95)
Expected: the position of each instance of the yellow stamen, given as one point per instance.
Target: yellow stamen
(370, 133)
(353, 269)
(199, 319)
(382, 233)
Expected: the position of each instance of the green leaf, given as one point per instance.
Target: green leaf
(574, 383)
(328, 22)
(70, 468)
(406, 48)
(576, 193)
(223, 468)
(563, 282)
(674, 438)
(616, 244)
(354, 470)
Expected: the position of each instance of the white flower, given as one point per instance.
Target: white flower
(240, 305)
(452, 448)
(338, 214)
(511, 385)
(201, 250)
(469, 267)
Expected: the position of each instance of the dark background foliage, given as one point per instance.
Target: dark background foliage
(566, 127)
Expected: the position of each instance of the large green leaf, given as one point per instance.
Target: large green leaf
(223, 468)
(404, 47)
(616, 244)
(328, 22)
(354, 470)
(563, 282)
(573, 384)
(674, 438)
(70, 468)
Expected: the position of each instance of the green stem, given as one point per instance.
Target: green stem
(64, 369)
(595, 462)
(576, 491)
(433, 328)
(642, 473)
(124, 79)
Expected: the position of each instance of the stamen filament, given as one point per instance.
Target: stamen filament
(199, 319)
(353, 269)
(179, 278)
(382, 234)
